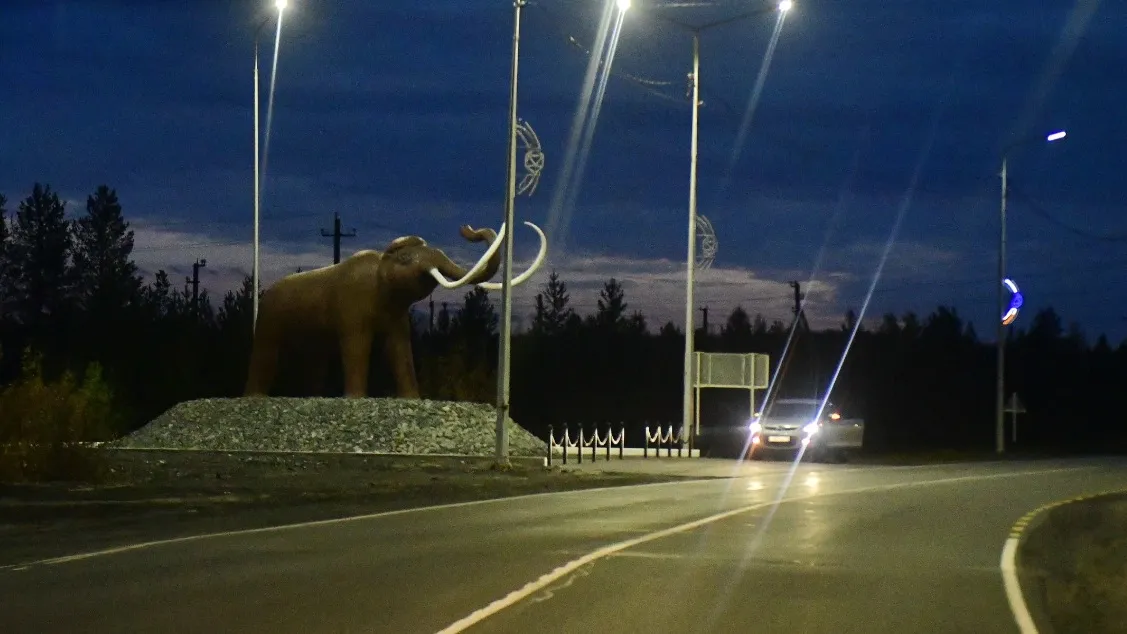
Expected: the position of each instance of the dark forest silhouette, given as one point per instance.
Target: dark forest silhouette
(70, 291)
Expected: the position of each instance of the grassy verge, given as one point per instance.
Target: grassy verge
(1077, 558)
(46, 426)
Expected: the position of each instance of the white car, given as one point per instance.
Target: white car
(792, 424)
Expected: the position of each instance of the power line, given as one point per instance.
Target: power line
(1040, 211)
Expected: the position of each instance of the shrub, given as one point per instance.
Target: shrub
(46, 427)
(453, 376)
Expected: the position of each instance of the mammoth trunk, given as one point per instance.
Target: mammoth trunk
(451, 271)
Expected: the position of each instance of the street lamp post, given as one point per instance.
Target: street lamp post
(501, 447)
(1000, 372)
(280, 5)
(687, 427)
(691, 261)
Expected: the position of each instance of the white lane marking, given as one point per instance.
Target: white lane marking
(551, 592)
(352, 518)
(419, 509)
(1013, 588)
(552, 577)
(340, 520)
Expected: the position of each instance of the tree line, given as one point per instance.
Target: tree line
(71, 292)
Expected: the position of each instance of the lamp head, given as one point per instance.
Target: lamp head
(281, 5)
(786, 5)
(623, 5)
(1056, 136)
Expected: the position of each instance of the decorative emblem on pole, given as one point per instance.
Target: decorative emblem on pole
(1016, 300)
(533, 158)
(707, 245)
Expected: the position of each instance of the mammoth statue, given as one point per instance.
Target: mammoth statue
(367, 295)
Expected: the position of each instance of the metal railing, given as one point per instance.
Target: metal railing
(656, 438)
(666, 439)
(608, 441)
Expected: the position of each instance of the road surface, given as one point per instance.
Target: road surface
(825, 548)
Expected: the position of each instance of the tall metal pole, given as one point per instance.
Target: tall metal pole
(690, 264)
(257, 189)
(1000, 387)
(501, 455)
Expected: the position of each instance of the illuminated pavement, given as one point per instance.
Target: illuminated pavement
(851, 549)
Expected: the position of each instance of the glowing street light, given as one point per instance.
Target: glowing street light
(1000, 375)
(280, 5)
(687, 426)
(623, 5)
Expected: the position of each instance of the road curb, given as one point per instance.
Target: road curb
(1030, 616)
(385, 457)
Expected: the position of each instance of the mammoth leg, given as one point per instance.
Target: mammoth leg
(317, 372)
(397, 350)
(355, 355)
(263, 364)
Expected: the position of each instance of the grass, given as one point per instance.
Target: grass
(46, 425)
(1078, 554)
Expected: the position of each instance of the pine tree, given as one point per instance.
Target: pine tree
(612, 306)
(552, 310)
(157, 296)
(4, 290)
(39, 246)
(105, 276)
(636, 325)
(237, 310)
(443, 320)
(738, 325)
(477, 318)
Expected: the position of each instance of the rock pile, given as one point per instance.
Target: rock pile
(368, 425)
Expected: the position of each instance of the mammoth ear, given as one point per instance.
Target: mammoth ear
(404, 242)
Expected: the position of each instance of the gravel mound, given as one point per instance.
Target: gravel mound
(366, 425)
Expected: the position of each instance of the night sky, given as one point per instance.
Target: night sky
(395, 118)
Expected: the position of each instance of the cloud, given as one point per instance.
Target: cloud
(655, 287)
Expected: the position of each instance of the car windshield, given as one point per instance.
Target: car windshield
(793, 410)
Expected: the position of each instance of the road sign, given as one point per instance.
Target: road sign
(1015, 406)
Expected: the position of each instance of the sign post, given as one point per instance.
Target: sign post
(1013, 408)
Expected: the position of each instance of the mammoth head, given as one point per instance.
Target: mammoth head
(413, 252)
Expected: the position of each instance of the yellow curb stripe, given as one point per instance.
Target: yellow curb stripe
(1009, 565)
(1021, 524)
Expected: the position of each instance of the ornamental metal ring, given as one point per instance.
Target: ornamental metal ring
(1016, 301)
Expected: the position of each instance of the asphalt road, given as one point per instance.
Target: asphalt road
(829, 548)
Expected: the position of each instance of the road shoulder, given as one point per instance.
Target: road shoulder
(1072, 561)
(154, 496)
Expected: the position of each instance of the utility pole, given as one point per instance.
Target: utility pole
(336, 235)
(800, 320)
(799, 297)
(704, 309)
(195, 282)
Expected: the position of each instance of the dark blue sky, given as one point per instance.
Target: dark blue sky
(395, 117)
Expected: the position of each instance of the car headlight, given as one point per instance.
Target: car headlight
(811, 428)
(755, 427)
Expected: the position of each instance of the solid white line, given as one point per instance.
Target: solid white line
(548, 579)
(341, 520)
(352, 518)
(1013, 587)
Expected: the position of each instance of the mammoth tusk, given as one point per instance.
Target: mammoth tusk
(494, 286)
(442, 279)
(477, 267)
